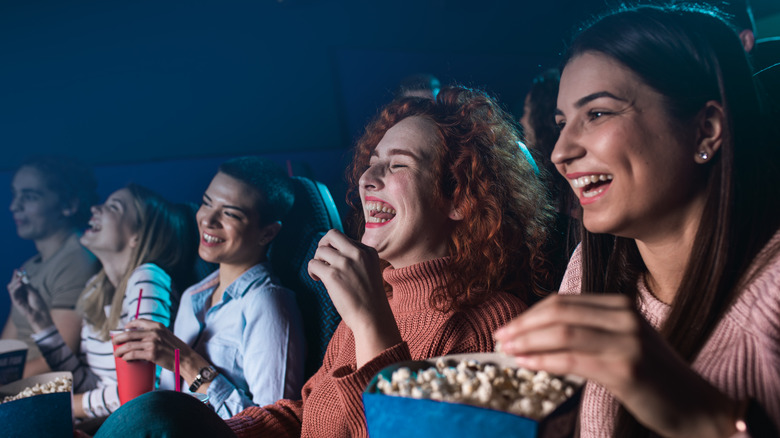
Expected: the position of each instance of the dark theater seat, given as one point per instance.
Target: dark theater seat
(312, 215)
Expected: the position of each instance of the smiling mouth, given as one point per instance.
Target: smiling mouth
(93, 225)
(592, 185)
(208, 238)
(378, 212)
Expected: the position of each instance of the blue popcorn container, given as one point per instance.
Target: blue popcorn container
(43, 415)
(393, 416)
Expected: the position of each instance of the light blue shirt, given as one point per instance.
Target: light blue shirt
(253, 337)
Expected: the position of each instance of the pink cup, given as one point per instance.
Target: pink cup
(133, 377)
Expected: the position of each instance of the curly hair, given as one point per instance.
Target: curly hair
(478, 167)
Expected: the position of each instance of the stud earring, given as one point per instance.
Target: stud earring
(704, 155)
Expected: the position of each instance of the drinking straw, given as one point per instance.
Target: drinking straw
(176, 369)
(138, 306)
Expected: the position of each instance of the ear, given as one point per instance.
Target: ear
(456, 213)
(711, 124)
(748, 39)
(70, 208)
(269, 232)
(134, 241)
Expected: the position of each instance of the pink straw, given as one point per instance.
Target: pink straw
(138, 306)
(176, 369)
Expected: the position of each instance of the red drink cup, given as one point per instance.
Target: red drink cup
(133, 377)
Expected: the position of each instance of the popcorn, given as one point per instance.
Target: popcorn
(60, 384)
(518, 391)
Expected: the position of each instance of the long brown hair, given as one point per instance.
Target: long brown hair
(479, 168)
(691, 56)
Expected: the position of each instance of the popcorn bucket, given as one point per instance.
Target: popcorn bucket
(37, 414)
(392, 416)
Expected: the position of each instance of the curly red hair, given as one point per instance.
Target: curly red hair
(481, 170)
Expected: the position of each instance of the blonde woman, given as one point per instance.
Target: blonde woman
(144, 244)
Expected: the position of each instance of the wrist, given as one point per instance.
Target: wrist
(190, 365)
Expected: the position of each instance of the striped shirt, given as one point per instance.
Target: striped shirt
(94, 369)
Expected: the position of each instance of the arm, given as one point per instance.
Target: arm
(602, 338)
(155, 304)
(351, 274)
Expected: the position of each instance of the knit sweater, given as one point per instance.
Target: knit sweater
(741, 357)
(332, 399)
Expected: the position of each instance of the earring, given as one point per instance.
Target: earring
(704, 155)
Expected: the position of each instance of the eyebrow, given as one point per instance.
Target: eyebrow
(229, 207)
(29, 191)
(116, 201)
(591, 97)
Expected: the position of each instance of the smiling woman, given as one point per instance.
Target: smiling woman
(450, 203)
(670, 307)
(144, 243)
(239, 331)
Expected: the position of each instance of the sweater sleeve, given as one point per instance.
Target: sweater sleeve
(285, 417)
(351, 383)
(60, 358)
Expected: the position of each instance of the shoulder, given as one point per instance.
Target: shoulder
(572, 278)
(759, 301)
(265, 296)
(149, 273)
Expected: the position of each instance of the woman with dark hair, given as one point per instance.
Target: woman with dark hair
(239, 331)
(144, 244)
(447, 201)
(671, 304)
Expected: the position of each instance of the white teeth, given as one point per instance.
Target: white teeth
(592, 193)
(378, 207)
(590, 179)
(376, 220)
(211, 239)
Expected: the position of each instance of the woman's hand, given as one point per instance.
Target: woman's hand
(152, 341)
(351, 274)
(27, 299)
(604, 339)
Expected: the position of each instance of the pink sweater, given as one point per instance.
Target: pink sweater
(741, 358)
(332, 405)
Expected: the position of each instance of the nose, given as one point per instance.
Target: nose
(94, 209)
(568, 147)
(16, 204)
(371, 179)
(206, 217)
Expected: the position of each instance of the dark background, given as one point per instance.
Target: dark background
(160, 92)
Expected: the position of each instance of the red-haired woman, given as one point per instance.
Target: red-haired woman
(447, 200)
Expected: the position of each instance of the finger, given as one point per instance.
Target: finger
(340, 242)
(320, 270)
(130, 336)
(313, 270)
(564, 362)
(611, 313)
(143, 324)
(568, 338)
(330, 256)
